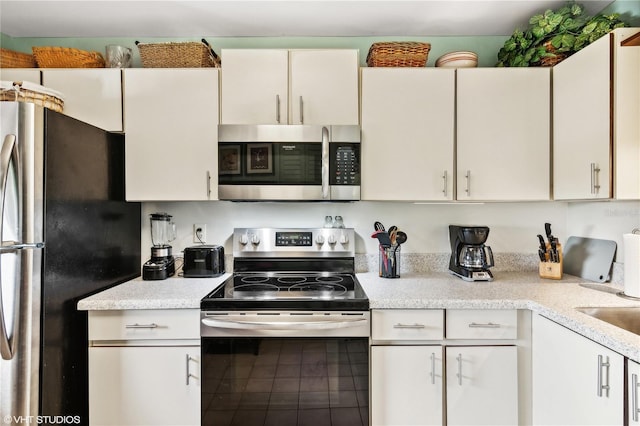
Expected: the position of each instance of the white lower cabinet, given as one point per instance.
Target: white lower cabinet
(144, 367)
(406, 385)
(441, 380)
(482, 385)
(144, 385)
(633, 392)
(575, 380)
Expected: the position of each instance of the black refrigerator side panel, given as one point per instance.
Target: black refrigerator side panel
(92, 239)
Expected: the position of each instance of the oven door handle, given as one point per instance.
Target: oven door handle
(282, 325)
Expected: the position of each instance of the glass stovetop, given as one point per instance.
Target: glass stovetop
(288, 290)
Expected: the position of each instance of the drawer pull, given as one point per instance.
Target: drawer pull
(601, 385)
(409, 325)
(486, 325)
(136, 325)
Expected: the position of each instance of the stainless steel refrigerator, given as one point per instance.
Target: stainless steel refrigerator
(66, 233)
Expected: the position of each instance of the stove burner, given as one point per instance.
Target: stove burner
(335, 290)
(330, 279)
(292, 279)
(254, 279)
(257, 286)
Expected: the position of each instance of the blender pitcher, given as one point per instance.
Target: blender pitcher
(163, 230)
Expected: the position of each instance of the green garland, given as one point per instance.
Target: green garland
(555, 35)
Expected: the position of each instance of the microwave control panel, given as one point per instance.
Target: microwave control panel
(346, 162)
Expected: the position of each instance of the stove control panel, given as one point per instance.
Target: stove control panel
(290, 242)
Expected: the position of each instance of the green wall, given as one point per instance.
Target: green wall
(486, 47)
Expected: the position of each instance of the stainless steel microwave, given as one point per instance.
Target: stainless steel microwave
(288, 162)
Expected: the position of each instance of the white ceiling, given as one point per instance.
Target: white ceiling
(234, 18)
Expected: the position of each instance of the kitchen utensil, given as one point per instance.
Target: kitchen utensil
(378, 226)
(383, 238)
(589, 258)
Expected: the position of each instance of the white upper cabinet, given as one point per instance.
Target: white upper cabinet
(323, 87)
(171, 145)
(596, 105)
(503, 134)
(20, 74)
(270, 86)
(255, 86)
(90, 95)
(408, 134)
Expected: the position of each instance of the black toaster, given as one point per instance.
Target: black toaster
(203, 261)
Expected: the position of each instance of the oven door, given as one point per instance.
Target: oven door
(297, 162)
(266, 369)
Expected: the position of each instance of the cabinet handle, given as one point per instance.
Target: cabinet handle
(189, 375)
(409, 325)
(433, 368)
(208, 184)
(278, 109)
(487, 325)
(444, 179)
(459, 374)
(136, 325)
(606, 364)
(595, 186)
(635, 406)
(301, 111)
(467, 176)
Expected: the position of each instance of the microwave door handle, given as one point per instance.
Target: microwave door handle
(9, 152)
(325, 163)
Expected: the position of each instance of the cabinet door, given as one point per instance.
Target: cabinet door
(171, 118)
(144, 385)
(569, 378)
(324, 86)
(20, 74)
(407, 134)
(503, 134)
(90, 95)
(633, 392)
(254, 86)
(581, 124)
(482, 385)
(406, 385)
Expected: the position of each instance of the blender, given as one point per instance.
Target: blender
(162, 264)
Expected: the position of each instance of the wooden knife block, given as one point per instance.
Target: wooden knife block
(552, 270)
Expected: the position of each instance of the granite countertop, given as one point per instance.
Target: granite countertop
(172, 293)
(553, 299)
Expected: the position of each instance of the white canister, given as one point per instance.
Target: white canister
(631, 264)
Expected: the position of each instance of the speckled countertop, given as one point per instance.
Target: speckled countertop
(172, 293)
(555, 300)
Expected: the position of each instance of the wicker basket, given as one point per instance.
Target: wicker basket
(13, 59)
(20, 94)
(398, 54)
(66, 57)
(550, 61)
(191, 54)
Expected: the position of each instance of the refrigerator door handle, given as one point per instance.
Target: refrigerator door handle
(8, 153)
(12, 246)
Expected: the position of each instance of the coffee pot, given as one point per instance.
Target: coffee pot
(470, 257)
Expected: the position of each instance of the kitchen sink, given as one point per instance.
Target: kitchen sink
(626, 318)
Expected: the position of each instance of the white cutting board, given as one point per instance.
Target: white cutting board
(589, 258)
